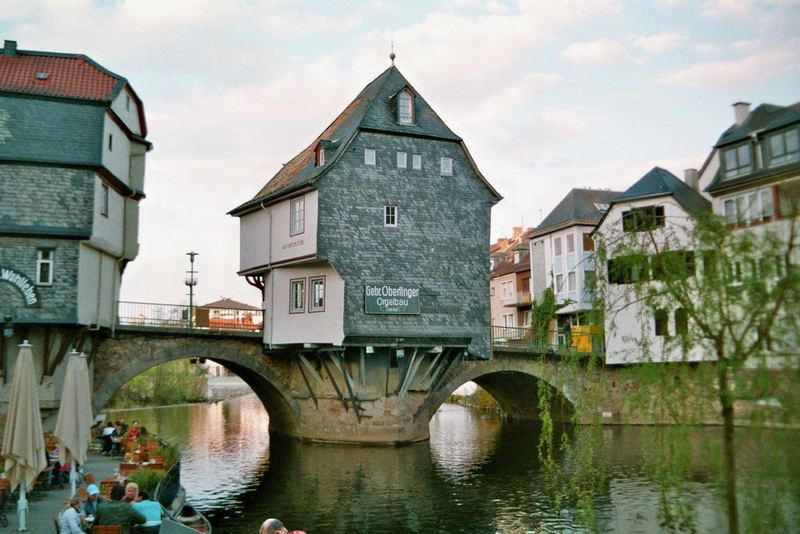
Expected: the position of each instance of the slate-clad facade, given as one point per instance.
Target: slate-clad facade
(412, 221)
(72, 150)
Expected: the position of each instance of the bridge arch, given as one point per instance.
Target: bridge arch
(513, 381)
(121, 358)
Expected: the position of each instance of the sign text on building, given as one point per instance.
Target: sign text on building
(391, 299)
(23, 284)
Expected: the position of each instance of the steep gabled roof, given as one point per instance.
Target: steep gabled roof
(765, 117)
(578, 207)
(53, 74)
(508, 267)
(659, 182)
(369, 111)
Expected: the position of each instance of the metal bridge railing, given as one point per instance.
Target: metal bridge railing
(153, 315)
(581, 339)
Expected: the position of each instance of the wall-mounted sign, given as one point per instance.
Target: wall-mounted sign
(391, 299)
(23, 284)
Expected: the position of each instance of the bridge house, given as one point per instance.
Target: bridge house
(374, 238)
(72, 153)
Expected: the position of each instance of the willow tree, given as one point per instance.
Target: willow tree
(717, 312)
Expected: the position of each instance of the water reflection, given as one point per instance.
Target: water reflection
(476, 474)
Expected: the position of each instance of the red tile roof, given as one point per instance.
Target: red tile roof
(66, 76)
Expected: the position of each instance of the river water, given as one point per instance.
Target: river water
(477, 474)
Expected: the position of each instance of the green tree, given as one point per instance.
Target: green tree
(735, 299)
(170, 383)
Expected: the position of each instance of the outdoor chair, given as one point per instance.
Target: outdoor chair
(106, 486)
(126, 469)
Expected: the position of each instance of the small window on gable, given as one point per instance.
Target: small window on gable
(110, 143)
(44, 267)
(405, 108)
(320, 156)
(784, 147)
(390, 215)
(737, 160)
(297, 216)
(127, 103)
(416, 161)
(402, 160)
(447, 166)
(369, 156)
(644, 218)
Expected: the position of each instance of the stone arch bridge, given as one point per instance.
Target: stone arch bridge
(344, 396)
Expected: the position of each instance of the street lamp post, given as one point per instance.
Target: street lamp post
(191, 281)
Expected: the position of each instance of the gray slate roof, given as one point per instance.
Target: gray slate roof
(578, 207)
(371, 111)
(660, 182)
(763, 118)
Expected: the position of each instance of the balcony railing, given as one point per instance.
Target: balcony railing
(148, 314)
(582, 339)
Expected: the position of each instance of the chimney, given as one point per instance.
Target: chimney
(690, 177)
(516, 231)
(741, 111)
(9, 48)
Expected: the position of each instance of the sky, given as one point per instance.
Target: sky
(547, 95)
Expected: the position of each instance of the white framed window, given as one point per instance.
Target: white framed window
(297, 295)
(570, 243)
(750, 207)
(390, 215)
(317, 294)
(298, 216)
(737, 160)
(508, 319)
(104, 200)
(446, 166)
(320, 156)
(557, 246)
(402, 160)
(559, 283)
(369, 156)
(571, 286)
(507, 290)
(416, 162)
(784, 147)
(44, 267)
(405, 108)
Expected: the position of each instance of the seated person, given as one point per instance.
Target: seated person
(108, 432)
(116, 512)
(69, 519)
(93, 501)
(131, 493)
(151, 510)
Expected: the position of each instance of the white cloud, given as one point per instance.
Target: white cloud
(755, 67)
(659, 43)
(601, 51)
(562, 122)
(719, 9)
(709, 48)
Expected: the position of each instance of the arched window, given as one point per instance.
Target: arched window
(681, 322)
(405, 108)
(662, 323)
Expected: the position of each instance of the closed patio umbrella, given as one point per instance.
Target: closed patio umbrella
(75, 418)
(23, 440)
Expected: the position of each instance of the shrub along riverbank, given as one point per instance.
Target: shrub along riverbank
(479, 399)
(174, 382)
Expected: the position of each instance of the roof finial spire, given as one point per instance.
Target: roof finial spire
(391, 54)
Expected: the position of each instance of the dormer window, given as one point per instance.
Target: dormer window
(784, 147)
(737, 160)
(320, 156)
(405, 108)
